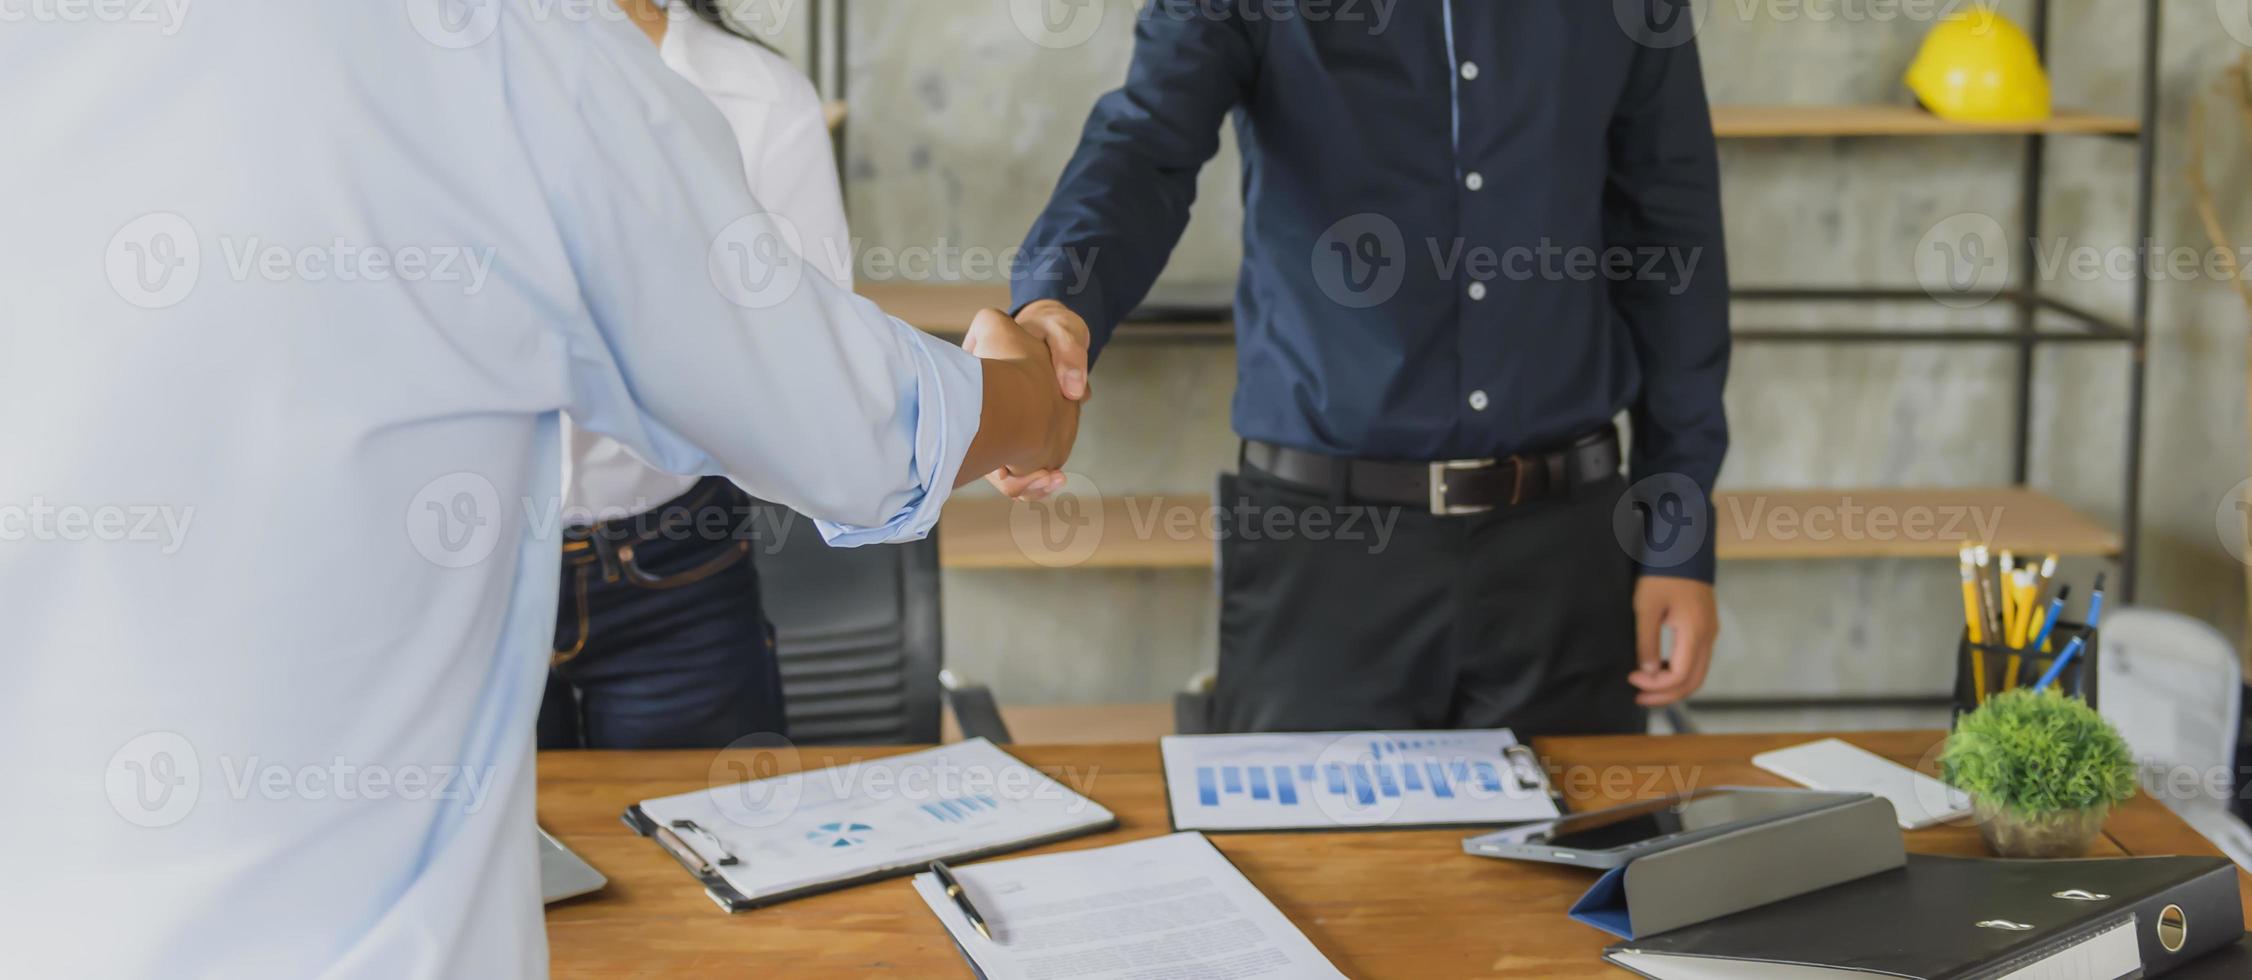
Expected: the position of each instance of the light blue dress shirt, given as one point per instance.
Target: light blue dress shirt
(291, 298)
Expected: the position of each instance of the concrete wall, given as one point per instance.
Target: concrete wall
(960, 126)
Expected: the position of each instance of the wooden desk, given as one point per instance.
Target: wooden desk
(1379, 904)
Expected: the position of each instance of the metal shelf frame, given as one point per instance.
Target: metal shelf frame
(830, 66)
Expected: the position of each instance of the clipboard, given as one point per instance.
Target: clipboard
(765, 841)
(730, 900)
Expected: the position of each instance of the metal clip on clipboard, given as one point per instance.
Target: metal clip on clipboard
(706, 872)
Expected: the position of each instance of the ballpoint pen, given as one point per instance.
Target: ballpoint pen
(2095, 602)
(961, 898)
(2071, 650)
(2095, 615)
(2055, 615)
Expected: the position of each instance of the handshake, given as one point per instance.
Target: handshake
(1035, 380)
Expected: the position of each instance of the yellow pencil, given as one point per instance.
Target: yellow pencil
(1989, 606)
(2011, 664)
(2021, 628)
(1972, 617)
(2005, 572)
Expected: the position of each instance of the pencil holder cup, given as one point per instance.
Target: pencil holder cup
(1985, 669)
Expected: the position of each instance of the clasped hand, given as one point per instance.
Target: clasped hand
(1048, 331)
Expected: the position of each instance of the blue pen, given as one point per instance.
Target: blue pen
(2071, 650)
(2095, 613)
(2056, 614)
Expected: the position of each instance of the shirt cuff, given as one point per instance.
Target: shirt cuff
(1685, 550)
(944, 407)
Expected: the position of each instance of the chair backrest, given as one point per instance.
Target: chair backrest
(857, 632)
(2173, 686)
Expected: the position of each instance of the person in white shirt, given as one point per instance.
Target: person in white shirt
(293, 297)
(661, 639)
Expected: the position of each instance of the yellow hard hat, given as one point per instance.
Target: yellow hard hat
(1976, 66)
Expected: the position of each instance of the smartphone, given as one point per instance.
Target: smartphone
(1611, 838)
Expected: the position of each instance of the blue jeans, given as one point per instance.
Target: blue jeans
(660, 639)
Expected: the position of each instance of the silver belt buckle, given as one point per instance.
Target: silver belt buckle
(1438, 486)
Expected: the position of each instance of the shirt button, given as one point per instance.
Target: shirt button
(1477, 291)
(1478, 401)
(1475, 181)
(1469, 71)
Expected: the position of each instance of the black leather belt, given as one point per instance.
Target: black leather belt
(1451, 487)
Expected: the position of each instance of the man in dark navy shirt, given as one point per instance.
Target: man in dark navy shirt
(1474, 234)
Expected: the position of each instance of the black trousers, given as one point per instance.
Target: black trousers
(1341, 616)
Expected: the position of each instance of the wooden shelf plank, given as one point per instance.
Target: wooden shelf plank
(1077, 724)
(1832, 121)
(940, 308)
(1753, 525)
(1757, 525)
(1782, 121)
(945, 309)
(1123, 532)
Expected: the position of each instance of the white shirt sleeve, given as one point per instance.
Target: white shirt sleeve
(798, 172)
(703, 342)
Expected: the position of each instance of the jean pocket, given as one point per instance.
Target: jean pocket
(734, 553)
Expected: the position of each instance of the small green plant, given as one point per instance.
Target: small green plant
(2036, 753)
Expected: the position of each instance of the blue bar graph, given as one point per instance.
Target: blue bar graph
(1286, 789)
(1488, 779)
(1367, 773)
(960, 809)
(1439, 785)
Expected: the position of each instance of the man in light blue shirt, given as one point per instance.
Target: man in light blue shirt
(291, 298)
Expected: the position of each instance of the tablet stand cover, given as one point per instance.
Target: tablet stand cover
(1723, 875)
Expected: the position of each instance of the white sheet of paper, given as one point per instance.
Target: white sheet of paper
(828, 825)
(1167, 906)
(1353, 779)
(1918, 801)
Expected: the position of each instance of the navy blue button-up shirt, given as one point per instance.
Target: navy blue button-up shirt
(1472, 229)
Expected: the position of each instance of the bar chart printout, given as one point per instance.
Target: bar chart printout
(1353, 779)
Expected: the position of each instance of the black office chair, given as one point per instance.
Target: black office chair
(858, 634)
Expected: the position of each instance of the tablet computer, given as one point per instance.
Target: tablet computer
(1611, 838)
